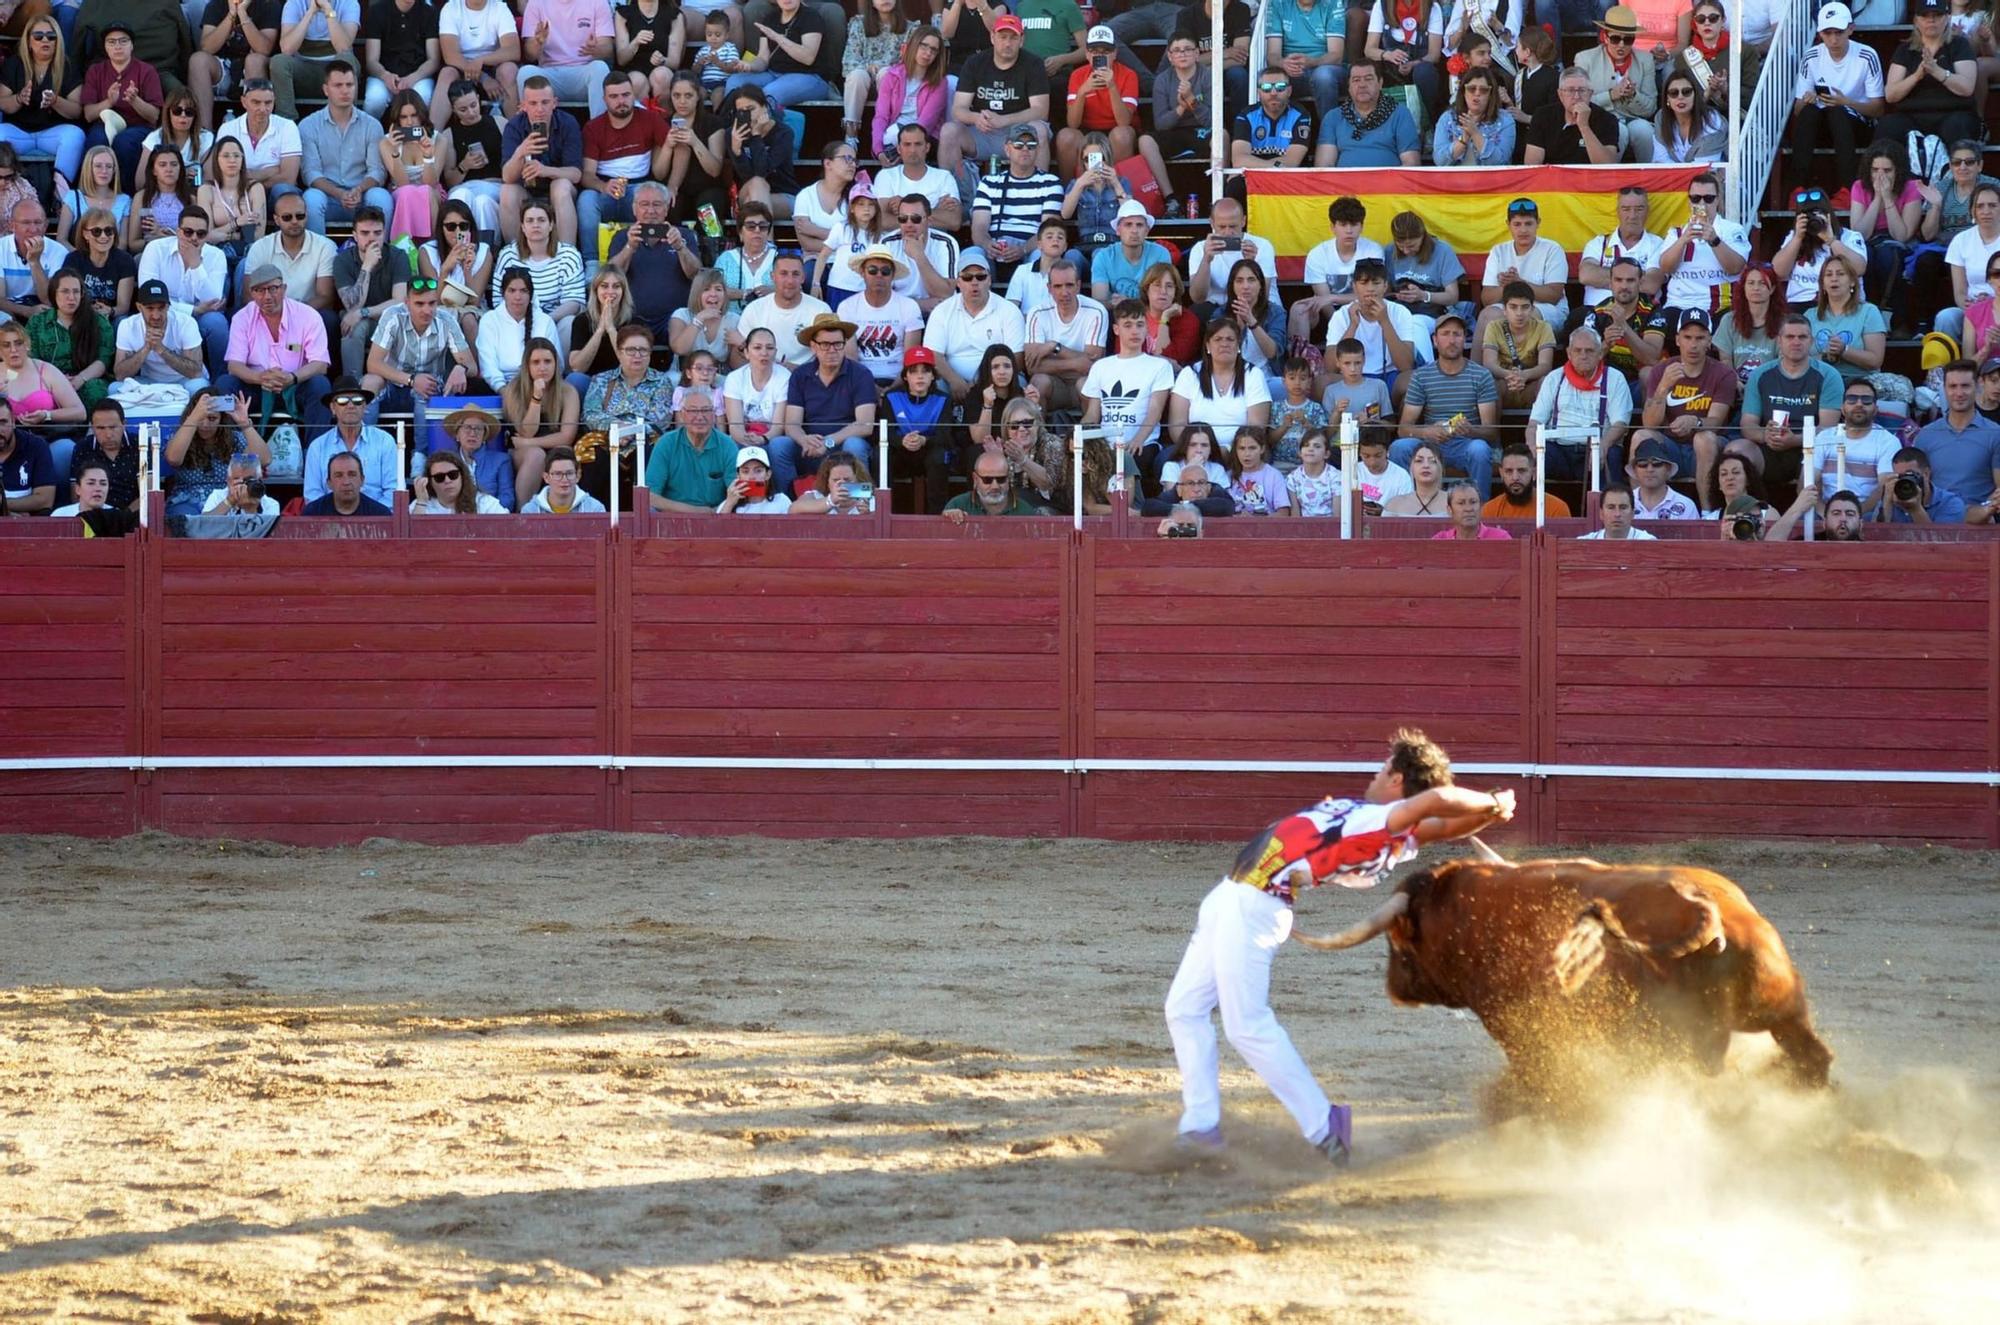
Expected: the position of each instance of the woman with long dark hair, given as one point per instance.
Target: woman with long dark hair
(73, 339)
(157, 203)
(506, 330)
(196, 457)
(1261, 317)
(1687, 129)
(1816, 234)
(998, 380)
(1222, 390)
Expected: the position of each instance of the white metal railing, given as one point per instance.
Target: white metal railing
(1757, 131)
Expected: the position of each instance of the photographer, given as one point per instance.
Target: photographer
(1811, 241)
(1184, 521)
(244, 492)
(762, 150)
(1913, 499)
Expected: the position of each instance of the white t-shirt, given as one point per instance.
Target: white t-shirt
(266, 505)
(1636, 535)
(1082, 333)
(478, 30)
(1970, 253)
(894, 184)
(806, 207)
(1868, 457)
(784, 323)
(1700, 279)
(1324, 263)
(758, 406)
(1225, 414)
(1802, 287)
(1124, 389)
(961, 338)
(1221, 264)
(183, 337)
(1858, 77)
(1544, 263)
(1375, 360)
(280, 140)
(1028, 288)
(1170, 474)
(940, 250)
(882, 334)
(1673, 506)
(1393, 481)
(1560, 405)
(1604, 248)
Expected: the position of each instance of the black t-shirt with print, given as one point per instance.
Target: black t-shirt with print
(1003, 91)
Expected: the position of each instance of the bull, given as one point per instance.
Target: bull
(1561, 957)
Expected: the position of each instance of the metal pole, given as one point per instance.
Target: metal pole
(1542, 476)
(882, 461)
(1349, 435)
(639, 468)
(146, 479)
(1839, 462)
(1596, 463)
(1075, 475)
(1218, 125)
(402, 456)
(1808, 471)
(611, 445)
(1736, 108)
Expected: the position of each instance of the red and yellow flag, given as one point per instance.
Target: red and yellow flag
(1466, 207)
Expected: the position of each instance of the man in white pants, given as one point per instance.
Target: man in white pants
(1247, 917)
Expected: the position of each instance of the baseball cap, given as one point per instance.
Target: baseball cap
(115, 25)
(153, 292)
(749, 453)
(1099, 36)
(1025, 135)
(1930, 7)
(1743, 505)
(919, 354)
(1455, 317)
(1009, 23)
(974, 257)
(1133, 207)
(1834, 16)
(1695, 317)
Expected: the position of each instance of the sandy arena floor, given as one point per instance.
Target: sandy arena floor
(636, 1079)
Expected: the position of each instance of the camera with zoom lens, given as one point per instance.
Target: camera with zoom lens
(1908, 487)
(253, 489)
(1746, 529)
(1183, 531)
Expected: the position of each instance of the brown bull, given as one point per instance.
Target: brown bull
(1555, 956)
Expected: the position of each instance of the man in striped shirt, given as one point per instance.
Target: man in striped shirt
(1009, 207)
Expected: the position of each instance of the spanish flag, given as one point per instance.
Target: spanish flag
(1466, 207)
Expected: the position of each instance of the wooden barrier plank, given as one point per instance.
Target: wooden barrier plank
(704, 637)
(84, 802)
(848, 721)
(1847, 822)
(1814, 754)
(860, 609)
(341, 558)
(1913, 673)
(652, 555)
(1300, 585)
(1774, 643)
(416, 580)
(107, 637)
(1226, 696)
(583, 743)
(78, 669)
(410, 783)
(1322, 643)
(1352, 614)
(815, 746)
(578, 668)
(1710, 554)
(34, 694)
(870, 668)
(1322, 670)
(1806, 697)
(527, 612)
(1701, 730)
(1728, 797)
(394, 725)
(1258, 726)
(1338, 559)
(783, 693)
(441, 695)
(33, 582)
(1752, 613)
(362, 637)
(338, 804)
(1936, 584)
(840, 581)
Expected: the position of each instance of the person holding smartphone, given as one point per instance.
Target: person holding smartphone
(1104, 98)
(751, 492)
(1836, 100)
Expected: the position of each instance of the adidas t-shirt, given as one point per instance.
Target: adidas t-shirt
(1124, 389)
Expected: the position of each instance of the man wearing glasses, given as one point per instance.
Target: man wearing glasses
(277, 347)
(886, 323)
(960, 328)
(352, 434)
(690, 469)
(1837, 99)
(28, 258)
(658, 257)
(1573, 132)
(415, 354)
(1008, 208)
(302, 258)
(930, 254)
(1273, 132)
(828, 407)
(1698, 260)
(993, 492)
(272, 151)
(196, 275)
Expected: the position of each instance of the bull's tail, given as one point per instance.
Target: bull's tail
(1581, 951)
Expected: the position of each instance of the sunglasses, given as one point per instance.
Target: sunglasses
(755, 225)
(350, 400)
(985, 478)
(1649, 464)
(877, 269)
(194, 234)
(1523, 209)
(41, 36)
(100, 230)
(257, 85)
(1965, 160)
(444, 476)
(974, 276)
(456, 227)
(1859, 397)
(181, 110)
(422, 285)
(912, 220)
(291, 216)
(1273, 87)
(8, 178)
(1708, 20)
(829, 344)
(1021, 425)
(1702, 197)
(1610, 40)
(1680, 91)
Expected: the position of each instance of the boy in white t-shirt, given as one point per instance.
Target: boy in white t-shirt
(1126, 393)
(1375, 477)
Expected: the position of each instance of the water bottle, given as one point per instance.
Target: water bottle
(1173, 208)
(1194, 207)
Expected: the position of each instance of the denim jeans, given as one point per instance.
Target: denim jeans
(594, 209)
(788, 462)
(1474, 455)
(783, 90)
(63, 142)
(573, 82)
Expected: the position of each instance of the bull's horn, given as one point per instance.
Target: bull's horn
(1361, 933)
(1485, 853)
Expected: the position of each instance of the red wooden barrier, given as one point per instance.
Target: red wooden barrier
(1016, 643)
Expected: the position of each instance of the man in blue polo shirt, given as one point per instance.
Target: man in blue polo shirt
(829, 405)
(1365, 130)
(1963, 447)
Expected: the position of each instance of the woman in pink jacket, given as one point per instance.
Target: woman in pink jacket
(913, 89)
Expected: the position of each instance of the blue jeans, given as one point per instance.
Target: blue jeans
(214, 341)
(783, 89)
(64, 142)
(594, 209)
(322, 207)
(402, 400)
(788, 462)
(1474, 455)
(307, 404)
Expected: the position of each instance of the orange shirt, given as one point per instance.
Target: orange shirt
(1555, 508)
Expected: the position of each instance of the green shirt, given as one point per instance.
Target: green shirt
(680, 473)
(1049, 27)
(969, 503)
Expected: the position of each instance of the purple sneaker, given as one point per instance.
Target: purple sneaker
(1208, 1141)
(1339, 1143)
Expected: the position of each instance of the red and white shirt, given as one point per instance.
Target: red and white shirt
(1341, 841)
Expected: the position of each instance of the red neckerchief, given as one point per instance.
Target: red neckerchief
(1580, 382)
(1715, 52)
(1631, 54)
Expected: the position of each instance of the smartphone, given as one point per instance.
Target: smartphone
(755, 491)
(1100, 62)
(680, 122)
(538, 130)
(413, 135)
(1093, 160)
(862, 494)
(1233, 245)
(1822, 89)
(222, 404)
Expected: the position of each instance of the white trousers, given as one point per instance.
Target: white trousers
(1228, 965)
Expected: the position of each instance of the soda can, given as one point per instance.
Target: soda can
(711, 224)
(1194, 207)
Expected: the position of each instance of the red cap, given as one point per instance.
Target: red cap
(919, 354)
(1007, 23)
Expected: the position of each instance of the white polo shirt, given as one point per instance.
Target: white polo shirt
(1087, 331)
(961, 337)
(1604, 248)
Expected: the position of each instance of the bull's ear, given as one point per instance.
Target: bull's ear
(1653, 910)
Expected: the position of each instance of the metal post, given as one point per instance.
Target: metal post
(1075, 475)
(611, 445)
(1808, 470)
(402, 456)
(1839, 462)
(1736, 109)
(1596, 463)
(1542, 475)
(882, 463)
(1218, 122)
(148, 477)
(1349, 436)
(639, 483)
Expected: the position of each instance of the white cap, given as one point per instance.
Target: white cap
(1099, 36)
(1133, 207)
(749, 453)
(1834, 15)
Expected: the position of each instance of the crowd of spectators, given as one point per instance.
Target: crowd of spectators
(265, 223)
